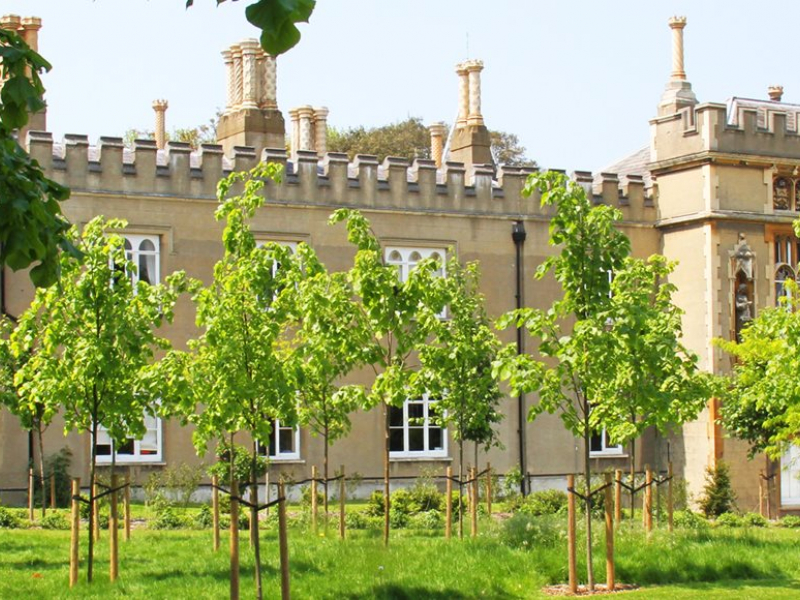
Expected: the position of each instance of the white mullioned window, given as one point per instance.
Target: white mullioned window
(413, 432)
(406, 258)
(143, 251)
(284, 442)
(601, 446)
(147, 449)
(786, 259)
(790, 477)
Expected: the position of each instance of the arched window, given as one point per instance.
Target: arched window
(786, 258)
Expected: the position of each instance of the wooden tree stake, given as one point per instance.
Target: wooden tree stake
(52, 490)
(76, 530)
(617, 497)
(215, 511)
(473, 504)
(342, 499)
(489, 488)
(234, 539)
(31, 484)
(448, 503)
(609, 537)
(670, 500)
(113, 534)
(314, 499)
(96, 525)
(571, 546)
(126, 507)
(284, 544)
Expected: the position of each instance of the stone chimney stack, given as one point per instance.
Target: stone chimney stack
(321, 130)
(678, 93)
(251, 116)
(28, 29)
(437, 142)
(309, 129)
(470, 142)
(775, 93)
(160, 106)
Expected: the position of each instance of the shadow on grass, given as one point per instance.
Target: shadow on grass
(393, 591)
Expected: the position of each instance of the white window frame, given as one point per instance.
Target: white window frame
(605, 449)
(426, 426)
(785, 245)
(405, 258)
(135, 253)
(790, 471)
(279, 456)
(137, 456)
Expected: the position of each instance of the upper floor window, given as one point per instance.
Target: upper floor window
(785, 193)
(407, 258)
(601, 446)
(143, 251)
(786, 249)
(413, 432)
(284, 442)
(146, 449)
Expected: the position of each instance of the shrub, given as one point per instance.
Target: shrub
(55, 520)
(361, 520)
(525, 531)
(403, 501)
(427, 496)
(242, 464)
(429, 519)
(545, 502)
(203, 518)
(167, 518)
(58, 464)
(7, 519)
(687, 519)
(755, 520)
(729, 519)
(375, 504)
(305, 498)
(718, 497)
(244, 522)
(397, 518)
(789, 521)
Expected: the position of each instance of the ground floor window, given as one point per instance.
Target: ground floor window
(284, 442)
(790, 477)
(413, 431)
(601, 446)
(146, 449)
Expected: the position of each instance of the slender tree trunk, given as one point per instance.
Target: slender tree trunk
(325, 478)
(254, 518)
(633, 479)
(386, 487)
(92, 507)
(40, 435)
(587, 475)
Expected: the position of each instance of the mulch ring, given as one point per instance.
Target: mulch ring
(599, 589)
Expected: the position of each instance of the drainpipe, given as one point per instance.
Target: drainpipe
(518, 234)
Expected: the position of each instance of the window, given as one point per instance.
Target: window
(412, 434)
(790, 477)
(601, 446)
(407, 258)
(786, 256)
(144, 450)
(142, 251)
(284, 442)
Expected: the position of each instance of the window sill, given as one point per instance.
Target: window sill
(600, 455)
(413, 459)
(287, 461)
(133, 463)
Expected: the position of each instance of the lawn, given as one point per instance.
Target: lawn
(505, 561)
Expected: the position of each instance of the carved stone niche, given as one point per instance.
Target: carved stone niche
(742, 268)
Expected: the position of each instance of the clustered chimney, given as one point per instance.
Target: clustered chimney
(28, 29)
(678, 93)
(309, 129)
(437, 142)
(470, 141)
(251, 116)
(160, 106)
(775, 93)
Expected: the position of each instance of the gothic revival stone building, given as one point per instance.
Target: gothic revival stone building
(717, 190)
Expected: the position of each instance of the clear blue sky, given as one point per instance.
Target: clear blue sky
(576, 80)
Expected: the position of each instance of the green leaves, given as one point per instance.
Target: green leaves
(32, 228)
(277, 21)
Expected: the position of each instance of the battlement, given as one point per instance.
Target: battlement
(768, 130)
(111, 168)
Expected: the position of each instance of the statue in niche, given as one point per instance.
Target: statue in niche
(744, 313)
(780, 194)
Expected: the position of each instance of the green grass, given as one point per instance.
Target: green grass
(715, 563)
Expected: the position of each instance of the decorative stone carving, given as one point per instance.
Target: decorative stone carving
(463, 95)
(781, 193)
(743, 258)
(677, 24)
(250, 83)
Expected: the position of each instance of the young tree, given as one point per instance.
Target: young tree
(655, 381)
(239, 375)
(330, 341)
(399, 316)
(97, 338)
(17, 346)
(572, 332)
(457, 367)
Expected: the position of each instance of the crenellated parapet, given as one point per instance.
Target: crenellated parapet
(177, 171)
(764, 131)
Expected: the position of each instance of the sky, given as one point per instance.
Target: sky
(577, 81)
